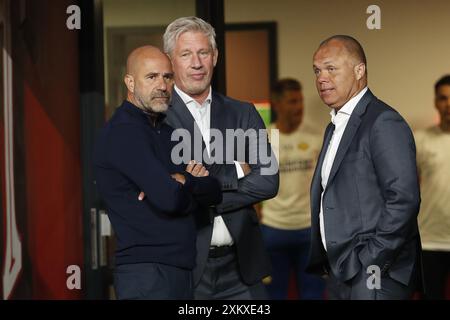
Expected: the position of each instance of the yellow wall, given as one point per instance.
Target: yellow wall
(145, 12)
(137, 13)
(405, 57)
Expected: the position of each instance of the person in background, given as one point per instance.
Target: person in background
(286, 219)
(433, 154)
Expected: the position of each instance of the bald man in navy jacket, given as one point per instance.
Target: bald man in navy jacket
(155, 237)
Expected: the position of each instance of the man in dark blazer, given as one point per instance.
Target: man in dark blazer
(231, 259)
(365, 193)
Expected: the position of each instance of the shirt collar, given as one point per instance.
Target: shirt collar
(347, 108)
(187, 99)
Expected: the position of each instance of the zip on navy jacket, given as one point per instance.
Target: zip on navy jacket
(133, 155)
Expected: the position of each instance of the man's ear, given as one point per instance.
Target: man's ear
(360, 70)
(129, 82)
(216, 55)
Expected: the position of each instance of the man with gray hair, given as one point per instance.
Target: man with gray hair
(231, 259)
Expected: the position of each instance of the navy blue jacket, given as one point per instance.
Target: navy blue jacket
(133, 155)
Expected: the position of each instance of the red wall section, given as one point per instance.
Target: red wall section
(53, 202)
(48, 182)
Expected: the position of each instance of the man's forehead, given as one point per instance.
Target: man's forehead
(152, 65)
(193, 39)
(331, 53)
(443, 90)
(325, 58)
(161, 61)
(292, 92)
(330, 49)
(444, 87)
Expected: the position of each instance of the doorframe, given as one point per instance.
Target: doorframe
(271, 28)
(96, 278)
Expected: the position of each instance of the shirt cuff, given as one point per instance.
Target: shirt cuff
(240, 172)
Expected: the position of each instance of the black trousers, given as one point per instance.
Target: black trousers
(221, 281)
(436, 269)
(149, 281)
(358, 289)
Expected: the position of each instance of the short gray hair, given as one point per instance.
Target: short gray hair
(185, 24)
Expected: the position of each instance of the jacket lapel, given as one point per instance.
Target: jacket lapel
(217, 122)
(179, 116)
(349, 133)
(217, 113)
(315, 185)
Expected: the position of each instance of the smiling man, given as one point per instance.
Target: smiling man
(365, 192)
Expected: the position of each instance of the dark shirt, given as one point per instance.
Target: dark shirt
(133, 154)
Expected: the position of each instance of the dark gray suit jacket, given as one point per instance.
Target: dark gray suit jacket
(238, 195)
(372, 197)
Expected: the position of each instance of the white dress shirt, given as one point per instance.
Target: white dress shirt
(202, 115)
(340, 120)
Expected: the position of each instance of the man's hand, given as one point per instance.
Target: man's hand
(245, 168)
(197, 169)
(179, 177)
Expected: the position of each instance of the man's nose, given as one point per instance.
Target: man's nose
(322, 77)
(162, 84)
(196, 62)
